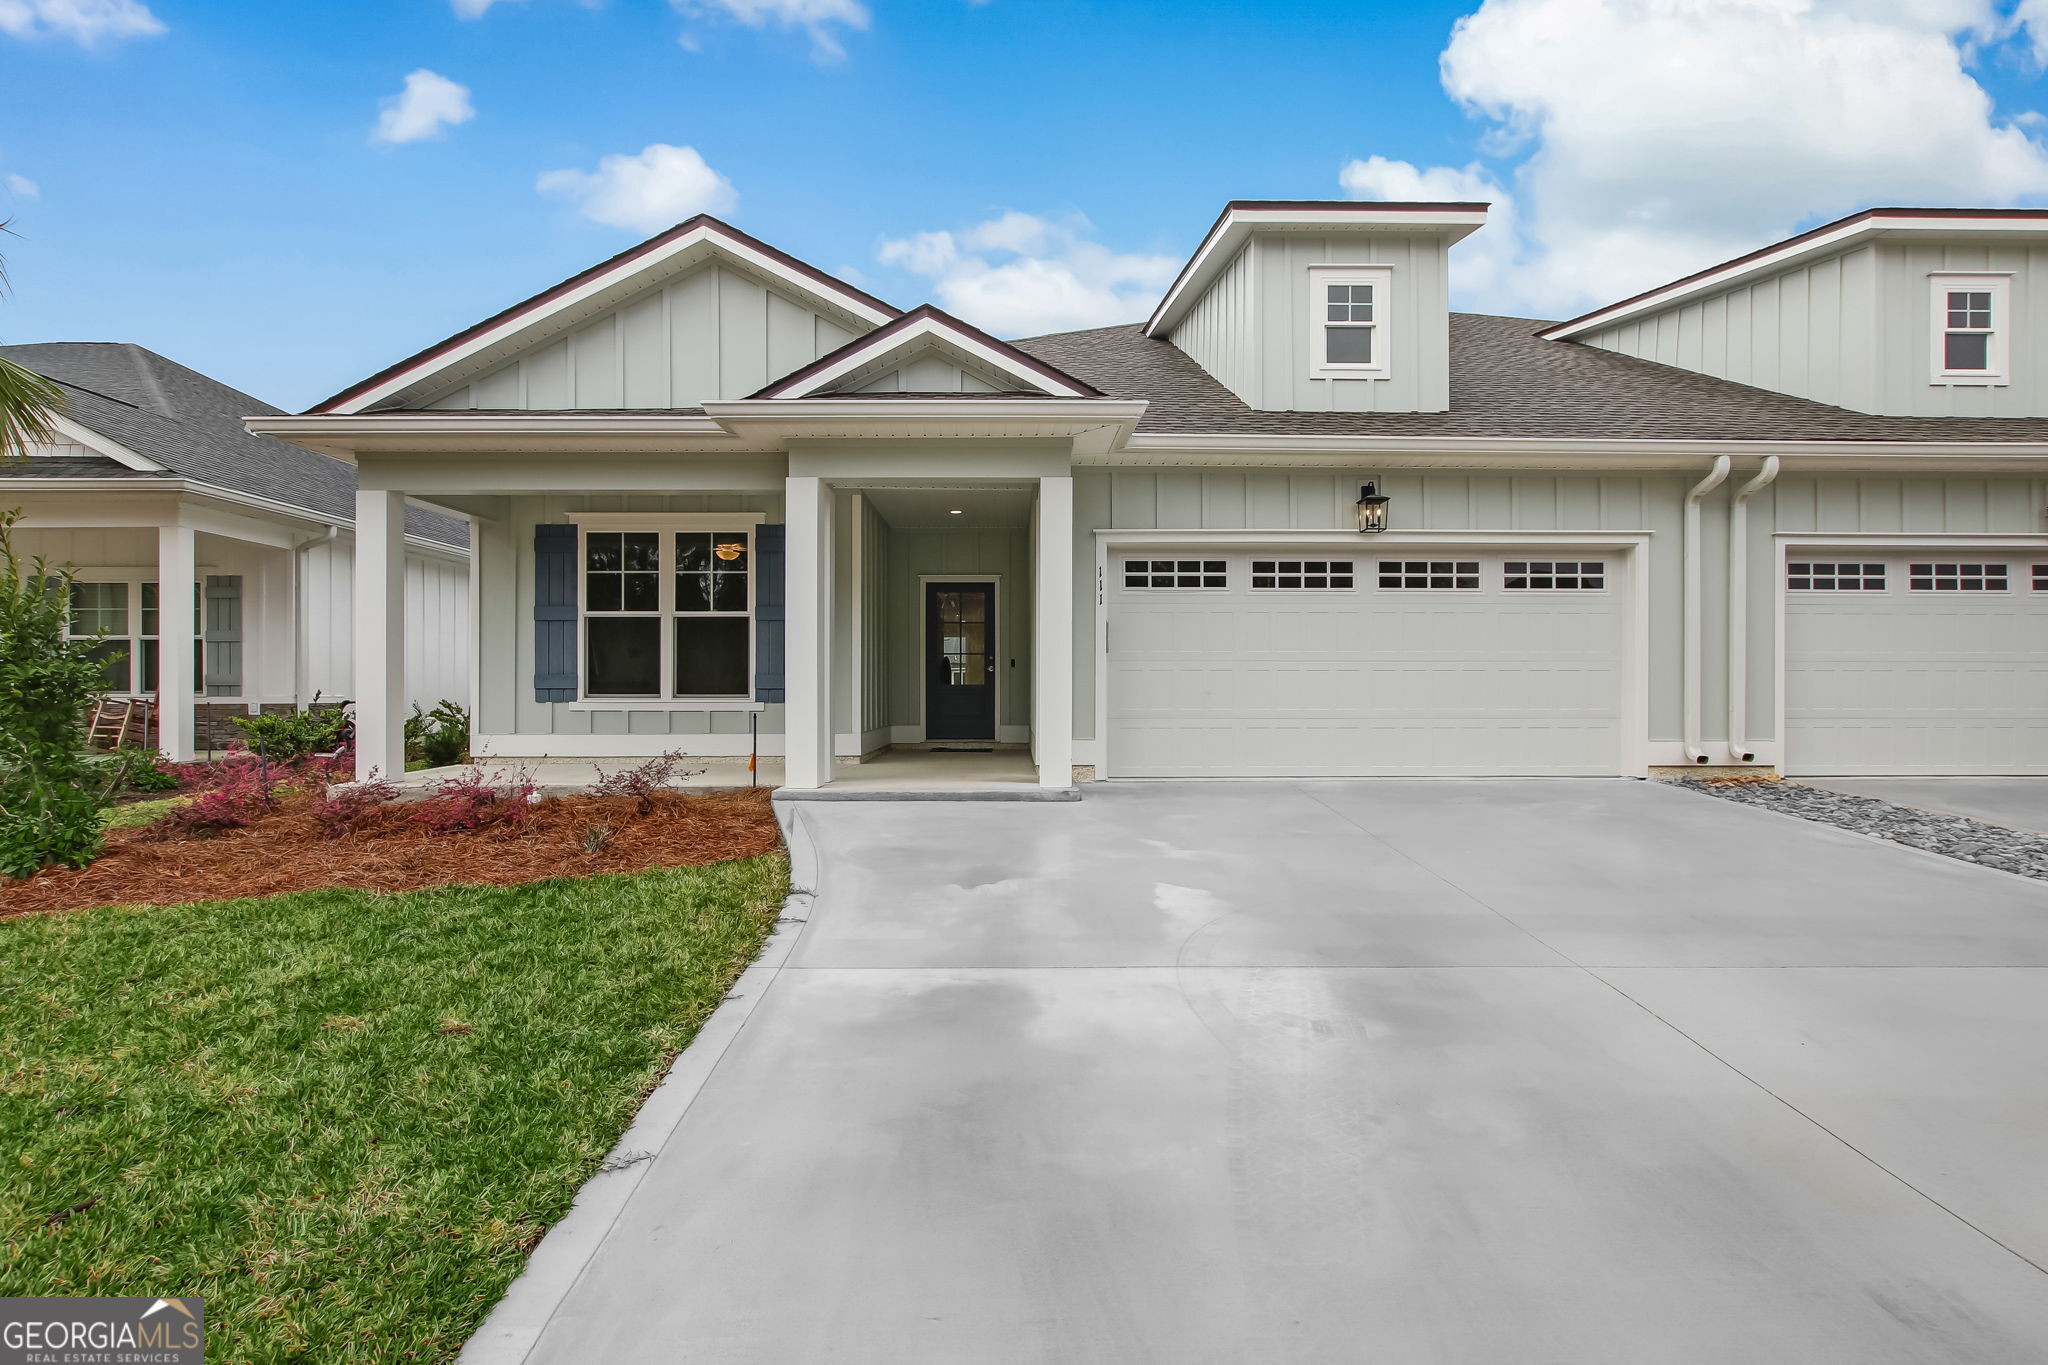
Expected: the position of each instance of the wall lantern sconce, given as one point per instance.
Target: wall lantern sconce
(728, 551)
(1372, 509)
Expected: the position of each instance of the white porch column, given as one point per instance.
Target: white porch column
(177, 566)
(1052, 644)
(807, 647)
(379, 605)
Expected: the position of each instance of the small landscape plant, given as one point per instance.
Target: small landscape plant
(237, 791)
(460, 805)
(642, 781)
(342, 811)
(292, 735)
(143, 770)
(438, 737)
(50, 796)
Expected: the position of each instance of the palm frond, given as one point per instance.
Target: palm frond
(29, 405)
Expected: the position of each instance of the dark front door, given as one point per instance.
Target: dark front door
(960, 661)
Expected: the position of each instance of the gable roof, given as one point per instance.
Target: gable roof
(923, 326)
(1835, 236)
(604, 281)
(1505, 382)
(191, 426)
(1240, 217)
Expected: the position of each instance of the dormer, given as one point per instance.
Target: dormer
(1315, 306)
(1897, 312)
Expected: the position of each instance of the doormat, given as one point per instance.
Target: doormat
(955, 749)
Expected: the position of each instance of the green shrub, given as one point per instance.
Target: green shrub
(292, 735)
(141, 770)
(438, 737)
(50, 794)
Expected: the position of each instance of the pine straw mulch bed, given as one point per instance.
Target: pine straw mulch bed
(391, 851)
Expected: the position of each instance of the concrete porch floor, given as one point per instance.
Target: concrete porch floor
(1008, 771)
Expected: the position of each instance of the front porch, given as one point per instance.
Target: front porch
(807, 630)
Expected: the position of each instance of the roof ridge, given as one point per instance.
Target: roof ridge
(160, 402)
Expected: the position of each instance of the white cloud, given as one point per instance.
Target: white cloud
(1666, 135)
(83, 21)
(428, 104)
(660, 187)
(1018, 274)
(818, 18)
(21, 186)
(471, 9)
(1485, 263)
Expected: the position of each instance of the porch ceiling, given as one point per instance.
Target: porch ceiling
(934, 509)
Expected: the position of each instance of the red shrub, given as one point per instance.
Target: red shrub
(643, 781)
(472, 802)
(341, 812)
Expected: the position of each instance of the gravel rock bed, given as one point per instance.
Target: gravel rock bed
(1952, 836)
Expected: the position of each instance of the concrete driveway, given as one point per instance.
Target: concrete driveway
(1398, 1071)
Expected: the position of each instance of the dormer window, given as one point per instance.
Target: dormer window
(1970, 326)
(1348, 321)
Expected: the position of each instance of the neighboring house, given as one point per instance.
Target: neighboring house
(169, 510)
(716, 489)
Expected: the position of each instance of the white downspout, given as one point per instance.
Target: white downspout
(1694, 631)
(1738, 611)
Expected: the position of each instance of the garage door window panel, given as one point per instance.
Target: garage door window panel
(1455, 575)
(1960, 577)
(1177, 574)
(1554, 575)
(1818, 576)
(1280, 575)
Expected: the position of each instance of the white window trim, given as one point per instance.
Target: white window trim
(664, 527)
(134, 579)
(1999, 286)
(1378, 586)
(1381, 277)
(1606, 577)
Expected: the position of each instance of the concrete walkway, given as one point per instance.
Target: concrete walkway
(1414, 1072)
(2014, 802)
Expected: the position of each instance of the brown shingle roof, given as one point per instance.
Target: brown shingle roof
(1504, 382)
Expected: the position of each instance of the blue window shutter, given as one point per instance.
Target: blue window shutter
(770, 611)
(554, 612)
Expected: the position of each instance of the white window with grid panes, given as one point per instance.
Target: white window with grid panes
(668, 610)
(1176, 573)
(1348, 321)
(1554, 575)
(1935, 576)
(2041, 578)
(1834, 576)
(1456, 575)
(1275, 575)
(1971, 328)
(120, 615)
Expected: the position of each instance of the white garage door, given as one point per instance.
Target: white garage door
(1273, 663)
(1916, 663)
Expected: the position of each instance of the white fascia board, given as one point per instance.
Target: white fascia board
(1220, 247)
(1082, 411)
(1203, 449)
(512, 327)
(1774, 259)
(112, 449)
(339, 436)
(861, 356)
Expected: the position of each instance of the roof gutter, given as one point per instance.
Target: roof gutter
(1225, 443)
(229, 495)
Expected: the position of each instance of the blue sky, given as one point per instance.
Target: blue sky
(201, 176)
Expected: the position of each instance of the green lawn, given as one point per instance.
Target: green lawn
(340, 1117)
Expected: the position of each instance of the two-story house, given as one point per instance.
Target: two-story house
(1302, 521)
